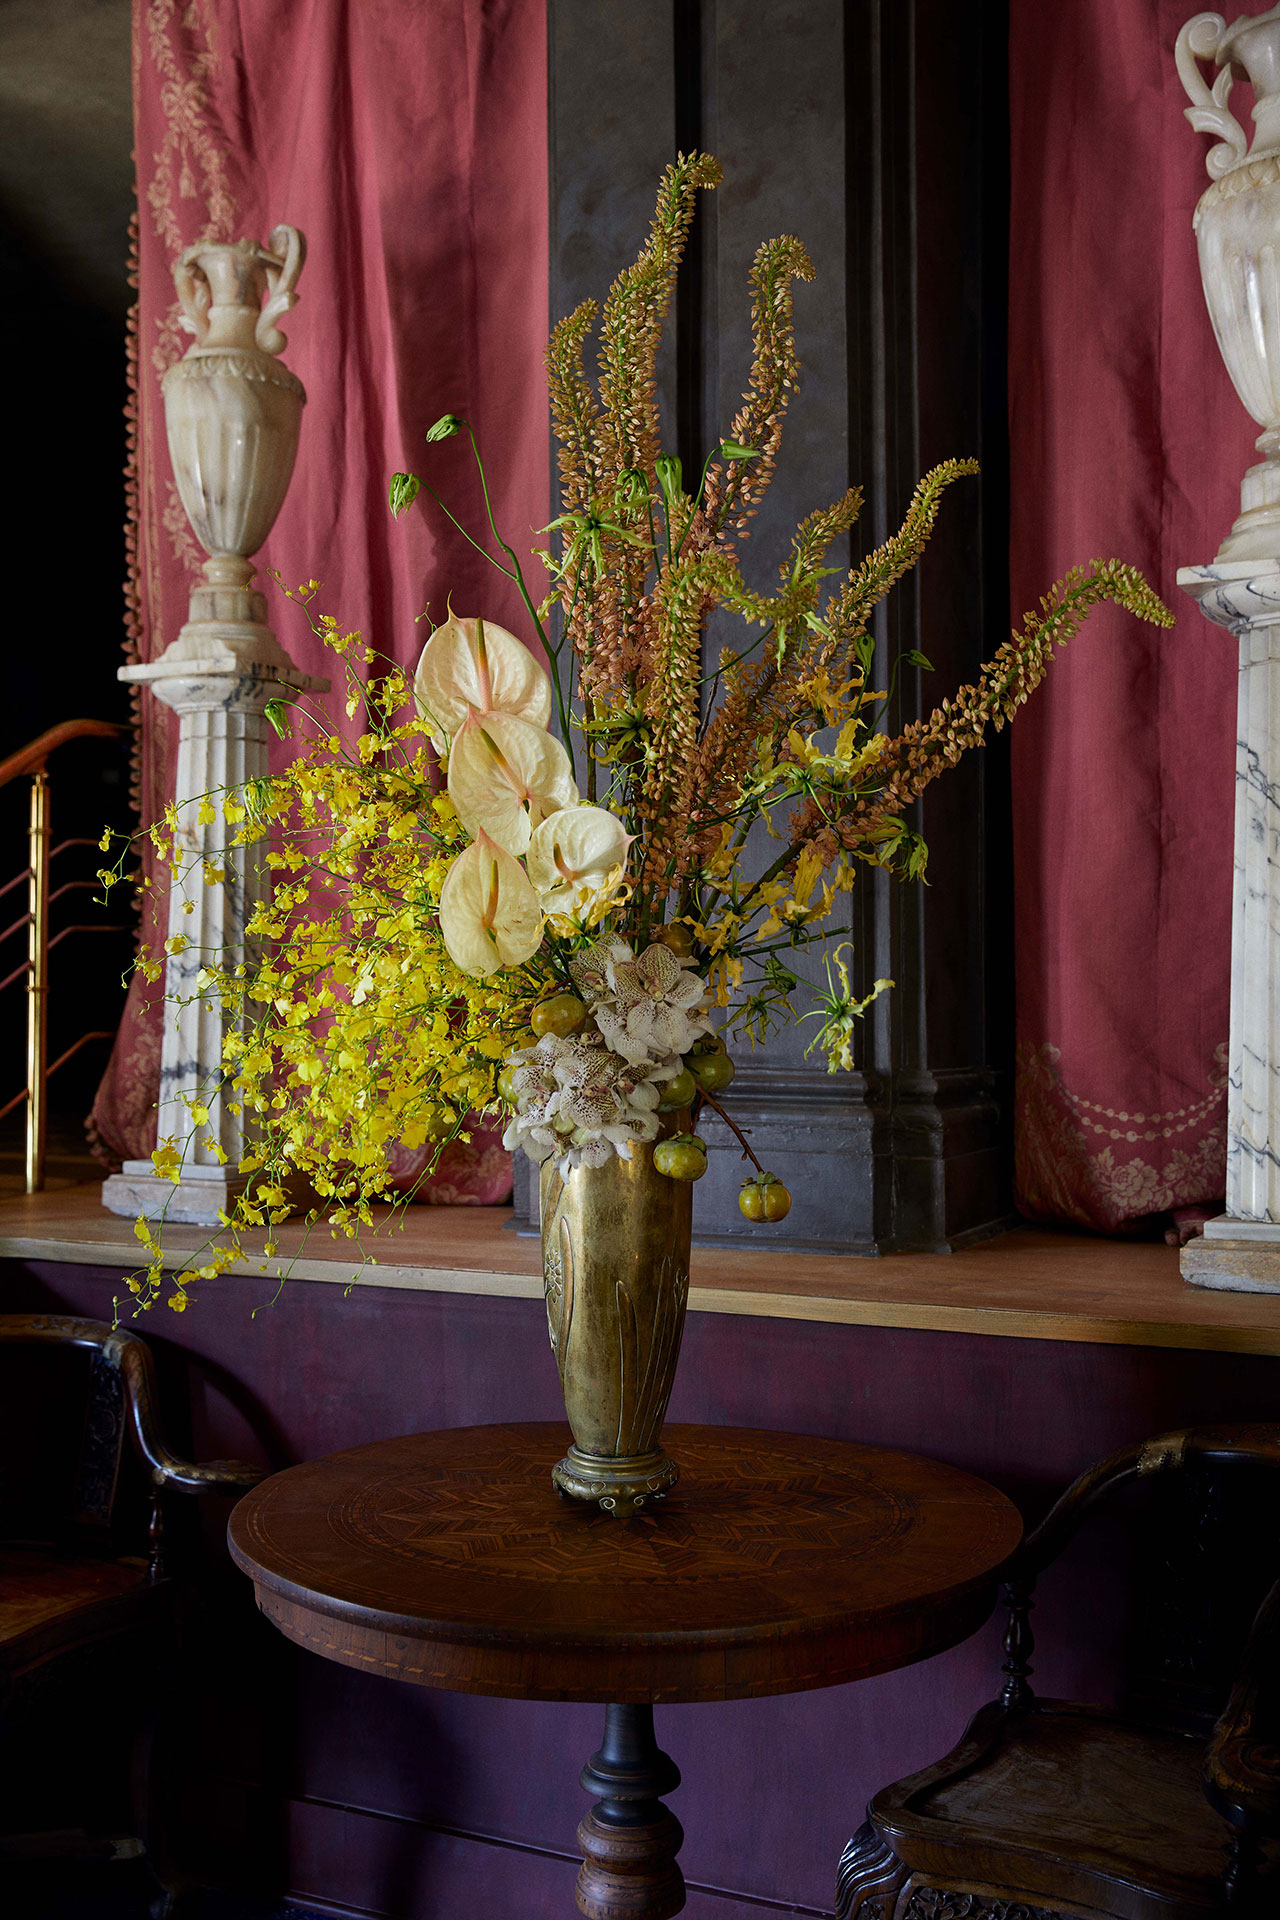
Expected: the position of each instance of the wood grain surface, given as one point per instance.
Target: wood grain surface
(778, 1563)
(1030, 1285)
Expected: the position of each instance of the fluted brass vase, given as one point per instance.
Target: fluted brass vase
(615, 1261)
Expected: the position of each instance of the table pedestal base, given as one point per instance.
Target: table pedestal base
(629, 1838)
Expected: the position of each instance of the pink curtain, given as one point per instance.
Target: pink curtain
(1127, 439)
(409, 145)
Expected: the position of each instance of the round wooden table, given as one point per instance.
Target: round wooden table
(778, 1563)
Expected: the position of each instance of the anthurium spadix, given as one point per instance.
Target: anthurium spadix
(489, 912)
(573, 854)
(506, 775)
(475, 666)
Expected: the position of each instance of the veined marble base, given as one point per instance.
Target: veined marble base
(1235, 593)
(1235, 1256)
(195, 1200)
(1264, 1233)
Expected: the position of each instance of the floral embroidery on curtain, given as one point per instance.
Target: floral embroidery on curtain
(1126, 438)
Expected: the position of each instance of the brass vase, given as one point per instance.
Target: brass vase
(615, 1262)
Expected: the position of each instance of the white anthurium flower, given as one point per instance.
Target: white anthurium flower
(489, 912)
(573, 855)
(506, 776)
(475, 666)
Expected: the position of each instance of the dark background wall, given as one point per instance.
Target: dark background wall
(66, 196)
(876, 131)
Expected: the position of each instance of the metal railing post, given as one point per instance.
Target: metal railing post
(37, 980)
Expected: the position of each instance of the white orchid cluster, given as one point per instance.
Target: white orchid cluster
(594, 1093)
(487, 703)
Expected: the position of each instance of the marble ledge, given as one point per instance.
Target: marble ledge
(1028, 1284)
(1235, 593)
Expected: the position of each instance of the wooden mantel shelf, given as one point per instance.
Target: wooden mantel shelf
(1026, 1285)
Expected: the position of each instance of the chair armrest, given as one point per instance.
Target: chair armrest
(1242, 1764)
(137, 1370)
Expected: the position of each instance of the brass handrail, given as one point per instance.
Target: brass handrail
(32, 759)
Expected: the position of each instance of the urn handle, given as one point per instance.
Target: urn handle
(283, 264)
(195, 296)
(1209, 113)
(220, 284)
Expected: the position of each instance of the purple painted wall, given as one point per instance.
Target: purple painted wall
(387, 1799)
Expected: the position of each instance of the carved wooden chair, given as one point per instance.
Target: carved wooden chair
(1050, 1809)
(86, 1584)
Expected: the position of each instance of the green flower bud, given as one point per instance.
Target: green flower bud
(670, 471)
(403, 492)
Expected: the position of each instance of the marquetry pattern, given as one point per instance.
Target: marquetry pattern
(502, 1521)
(778, 1562)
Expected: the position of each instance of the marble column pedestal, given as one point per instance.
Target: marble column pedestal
(1240, 1250)
(218, 676)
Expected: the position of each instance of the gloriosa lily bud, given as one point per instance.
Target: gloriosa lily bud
(573, 854)
(506, 776)
(633, 487)
(403, 491)
(489, 912)
(669, 469)
(475, 666)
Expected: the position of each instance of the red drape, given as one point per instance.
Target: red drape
(1127, 439)
(409, 145)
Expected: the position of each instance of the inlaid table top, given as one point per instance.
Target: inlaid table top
(778, 1563)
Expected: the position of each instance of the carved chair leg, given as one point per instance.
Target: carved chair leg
(869, 1879)
(629, 1838)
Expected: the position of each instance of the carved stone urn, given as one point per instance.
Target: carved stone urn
(615, 1253)
(233, 414)
(233, 411)
(1237, 226)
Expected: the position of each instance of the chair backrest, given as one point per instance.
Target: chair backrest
(65, 1457)
(1208, 1551)
(1212, 1643)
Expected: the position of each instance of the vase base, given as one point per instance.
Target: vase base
(622, 1485)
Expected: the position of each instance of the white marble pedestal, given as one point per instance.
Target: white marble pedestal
(1240, 1250)
(218, 676)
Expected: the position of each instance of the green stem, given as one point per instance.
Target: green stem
(463, 531)
(733, 1127)
(518, 576)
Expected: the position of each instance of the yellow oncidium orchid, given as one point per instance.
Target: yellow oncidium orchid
(489, 912)
(506, 776)
(573, 855)
(475, 666)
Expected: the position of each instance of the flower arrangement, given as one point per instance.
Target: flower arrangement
(472, 914)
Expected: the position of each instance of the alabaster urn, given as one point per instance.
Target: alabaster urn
(1237, 226)
(233, 411)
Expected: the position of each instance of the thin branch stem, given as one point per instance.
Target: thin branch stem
(733, 1128)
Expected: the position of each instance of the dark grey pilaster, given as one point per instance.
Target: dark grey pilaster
(875, 131)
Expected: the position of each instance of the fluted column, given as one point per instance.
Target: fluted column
(1241, 1248)
(222, 749)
